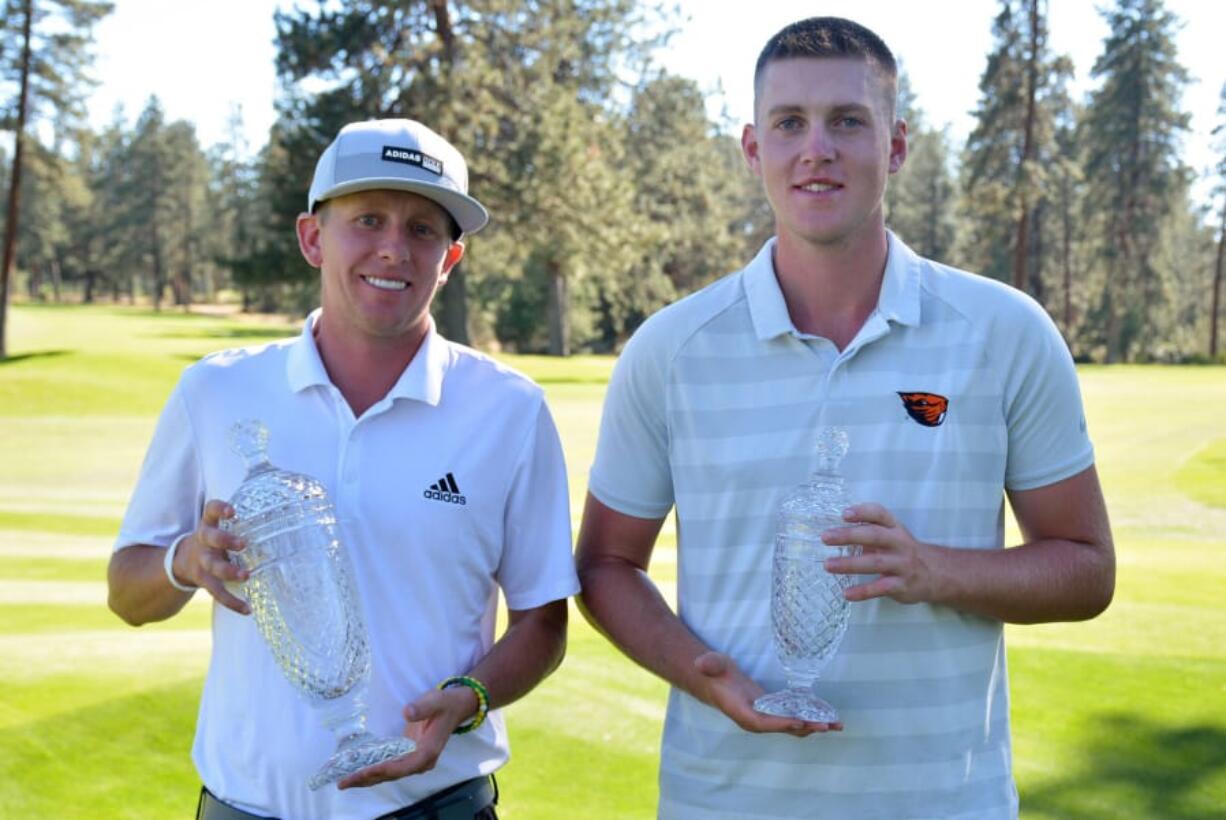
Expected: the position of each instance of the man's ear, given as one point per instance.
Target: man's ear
(450, 259)
(898, 146)
(749, 147)
(308, 239)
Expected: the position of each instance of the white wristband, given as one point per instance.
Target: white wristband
(168, 564)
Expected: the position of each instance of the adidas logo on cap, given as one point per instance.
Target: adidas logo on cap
(445, 489)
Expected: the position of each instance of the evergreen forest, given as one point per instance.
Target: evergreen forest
(612, 189)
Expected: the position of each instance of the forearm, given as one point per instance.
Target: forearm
(137, 588)
(527, 652)
(531, 648)
(622, 602)
(1037, 582)
(1064, 570)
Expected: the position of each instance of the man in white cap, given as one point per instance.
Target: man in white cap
(447, 474)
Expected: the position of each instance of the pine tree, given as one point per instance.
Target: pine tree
(44, 54)
(523, 90)
(1215, 301)
(688, 186)
(1066, 195)
(1005, 182)
(1131, 133)
(920, 198)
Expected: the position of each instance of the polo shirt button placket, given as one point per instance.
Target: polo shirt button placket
(347, 467)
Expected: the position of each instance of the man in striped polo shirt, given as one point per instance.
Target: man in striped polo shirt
(956, 391)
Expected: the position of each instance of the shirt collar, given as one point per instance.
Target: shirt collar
(767, 309)
(422, 380)
(898, 301)
(304, 367)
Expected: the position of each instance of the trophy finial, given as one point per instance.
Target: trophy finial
(832, 445)
(249, 438)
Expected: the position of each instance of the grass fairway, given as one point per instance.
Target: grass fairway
(1120, 717)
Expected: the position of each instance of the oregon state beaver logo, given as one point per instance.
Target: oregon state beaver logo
(926, 408)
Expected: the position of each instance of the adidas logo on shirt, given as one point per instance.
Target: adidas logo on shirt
(445, 489)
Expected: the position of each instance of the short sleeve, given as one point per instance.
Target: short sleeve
(169, 494)
(1048, 439)
(631, 473)
(537, 566)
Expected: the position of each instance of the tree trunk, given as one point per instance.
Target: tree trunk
(557, 312)
(185, 275)
(1113, 327)
(1032, 82)
(446, 35)
(1216, 300)
(159, 276)
(1035, 256)
(1066, 254)
(10, 226)
(453, 307)
(56, 280)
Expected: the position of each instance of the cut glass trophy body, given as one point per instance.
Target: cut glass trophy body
(808, 611)
(303, 600)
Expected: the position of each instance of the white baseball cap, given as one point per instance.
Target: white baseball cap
(402, 155)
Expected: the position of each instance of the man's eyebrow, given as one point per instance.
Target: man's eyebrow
(856, 107)
(837, 108)
(784, 108)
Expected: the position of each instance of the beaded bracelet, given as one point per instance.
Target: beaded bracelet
(483, 700)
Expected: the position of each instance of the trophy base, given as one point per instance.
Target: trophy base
(797, 703)
(358, 752)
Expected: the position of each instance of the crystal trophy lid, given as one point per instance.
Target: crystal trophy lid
(824, 493)
(268, 491)
(832, 445)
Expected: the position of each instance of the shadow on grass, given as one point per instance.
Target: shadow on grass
(130, 757)
(60, 523)
(571, 379)
(1176, 773)
(1203, 476)
(270, 333)
(125, 757)
(41, 354)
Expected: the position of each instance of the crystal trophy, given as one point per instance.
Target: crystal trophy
(808, 611)
(304, 602)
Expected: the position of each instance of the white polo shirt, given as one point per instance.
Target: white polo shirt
(449, 488)
(713, 408)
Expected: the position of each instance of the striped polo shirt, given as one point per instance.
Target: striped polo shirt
(956, 388)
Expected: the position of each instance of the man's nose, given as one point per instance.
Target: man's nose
(394, 245)
(819, 145)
